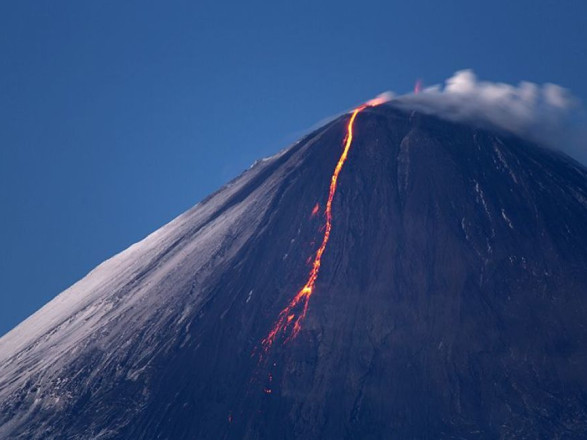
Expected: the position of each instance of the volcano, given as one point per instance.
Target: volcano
(449, 301)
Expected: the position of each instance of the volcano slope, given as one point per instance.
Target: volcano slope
(450, 303)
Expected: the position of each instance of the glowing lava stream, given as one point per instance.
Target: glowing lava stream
(291, 317)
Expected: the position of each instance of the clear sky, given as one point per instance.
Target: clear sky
(116, 116)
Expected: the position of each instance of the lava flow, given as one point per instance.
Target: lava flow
(289, 320)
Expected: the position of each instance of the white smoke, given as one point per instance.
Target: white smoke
(547, 114)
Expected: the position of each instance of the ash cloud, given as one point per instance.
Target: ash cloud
(546, 114)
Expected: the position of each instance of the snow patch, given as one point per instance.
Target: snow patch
(507, 219)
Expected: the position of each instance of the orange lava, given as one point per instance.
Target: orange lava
(289, 320)
(315, 210)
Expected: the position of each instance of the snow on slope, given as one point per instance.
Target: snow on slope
(137, 287)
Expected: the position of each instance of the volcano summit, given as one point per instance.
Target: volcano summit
(449, 301)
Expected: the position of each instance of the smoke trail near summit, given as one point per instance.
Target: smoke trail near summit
(547, 114)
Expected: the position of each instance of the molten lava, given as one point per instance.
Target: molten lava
(315, 210)
(289, 320)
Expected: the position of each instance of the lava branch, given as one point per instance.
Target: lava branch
(291, 317)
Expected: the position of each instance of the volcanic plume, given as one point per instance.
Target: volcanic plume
(400, 275)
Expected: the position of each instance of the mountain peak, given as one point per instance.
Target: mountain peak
(449, 301)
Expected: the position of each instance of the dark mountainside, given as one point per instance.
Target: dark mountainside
(451, 303)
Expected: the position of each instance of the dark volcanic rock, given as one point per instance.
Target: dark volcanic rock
(451, 303)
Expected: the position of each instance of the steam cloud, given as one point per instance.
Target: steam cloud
(547, 114)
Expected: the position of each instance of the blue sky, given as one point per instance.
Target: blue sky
(117, 116)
